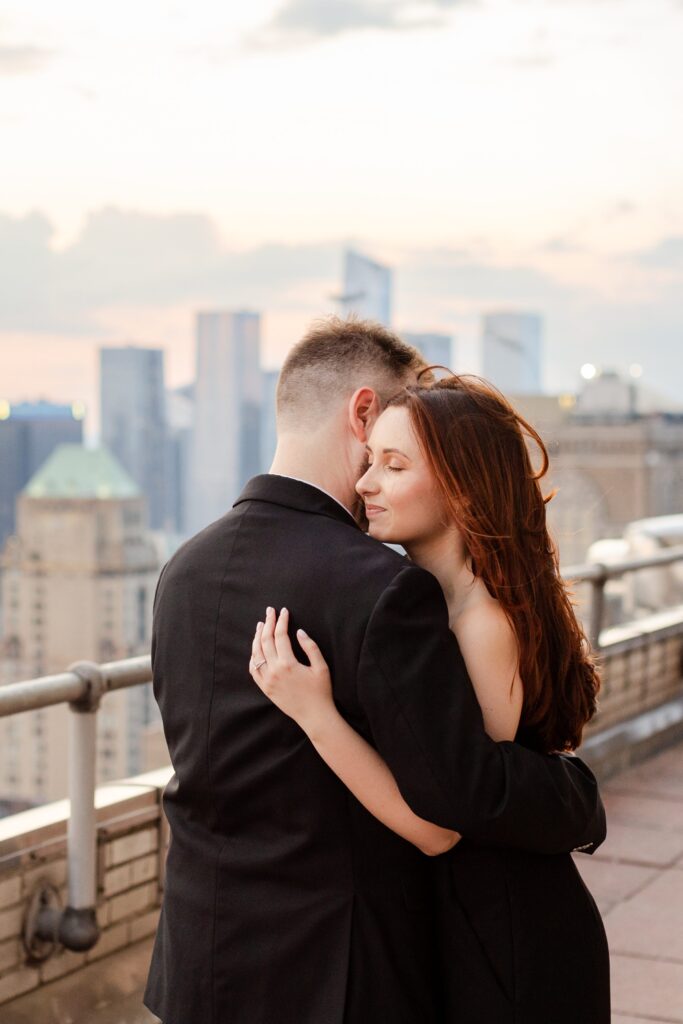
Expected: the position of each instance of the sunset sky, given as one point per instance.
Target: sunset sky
(160, 157)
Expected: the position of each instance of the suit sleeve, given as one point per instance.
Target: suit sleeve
(427, 724)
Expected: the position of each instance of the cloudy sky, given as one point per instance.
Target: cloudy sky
(161, 156)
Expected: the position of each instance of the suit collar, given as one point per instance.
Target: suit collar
(283, 490)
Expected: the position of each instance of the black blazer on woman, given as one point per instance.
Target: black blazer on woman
(285, 902)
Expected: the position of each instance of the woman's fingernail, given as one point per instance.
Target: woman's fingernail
(268, 610)
(259, 625)
(302, 632)
(282, 611)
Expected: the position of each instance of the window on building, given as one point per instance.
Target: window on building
(107, 649)
(12, 647)
(142, 614)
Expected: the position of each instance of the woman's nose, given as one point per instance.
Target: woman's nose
(366, 485)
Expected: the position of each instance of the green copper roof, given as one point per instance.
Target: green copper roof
(73, 471)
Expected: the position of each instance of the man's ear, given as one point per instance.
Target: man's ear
(364, 408)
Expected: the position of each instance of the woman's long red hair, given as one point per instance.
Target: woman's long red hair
(476, 446)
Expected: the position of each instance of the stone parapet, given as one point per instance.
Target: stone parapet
(132, 838)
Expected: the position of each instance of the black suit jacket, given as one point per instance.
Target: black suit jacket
(285, 902)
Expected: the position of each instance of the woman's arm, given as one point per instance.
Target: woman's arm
(305, 694)
(489, 647)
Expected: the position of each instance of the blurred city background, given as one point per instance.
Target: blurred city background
(185, 187)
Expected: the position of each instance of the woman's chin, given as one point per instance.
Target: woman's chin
(378, 532)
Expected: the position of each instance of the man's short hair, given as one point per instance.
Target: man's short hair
(334, 358)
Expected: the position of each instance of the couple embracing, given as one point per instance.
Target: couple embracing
(374, 803)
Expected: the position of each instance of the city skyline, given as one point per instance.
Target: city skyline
(224, 158)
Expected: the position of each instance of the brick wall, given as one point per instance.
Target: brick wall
(642, 667)
(131, 844)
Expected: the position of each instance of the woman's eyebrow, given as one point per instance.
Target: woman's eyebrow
(389, 451)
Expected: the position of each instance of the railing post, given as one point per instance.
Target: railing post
(75, 926)
(81, 826)
(597, 607)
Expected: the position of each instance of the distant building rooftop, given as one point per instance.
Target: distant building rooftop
(43, 409)
(73, 471)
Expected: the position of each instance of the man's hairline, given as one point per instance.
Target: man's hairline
(344, 400)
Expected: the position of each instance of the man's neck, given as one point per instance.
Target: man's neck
(297, 457)
(301, 480)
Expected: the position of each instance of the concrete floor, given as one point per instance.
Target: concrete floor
(107, 991)
(636, 878)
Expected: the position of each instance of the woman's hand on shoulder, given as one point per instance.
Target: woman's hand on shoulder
(304, 692)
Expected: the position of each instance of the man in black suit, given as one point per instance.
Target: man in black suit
(285, 902)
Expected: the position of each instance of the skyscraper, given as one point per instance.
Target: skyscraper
(511, 351)
(134, 422)
(78, 582)
(226, 447)
(180, 430)
(437, 349)
(29, 433)
(367, 288)
(268, 419)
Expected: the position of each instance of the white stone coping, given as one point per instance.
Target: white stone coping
(18, 831)
(663, 621)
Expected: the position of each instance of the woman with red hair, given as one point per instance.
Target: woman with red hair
(450, 478)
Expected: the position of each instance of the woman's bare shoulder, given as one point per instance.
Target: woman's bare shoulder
(489, 647)
(484, 622)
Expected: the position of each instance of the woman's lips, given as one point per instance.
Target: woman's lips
(373, 510)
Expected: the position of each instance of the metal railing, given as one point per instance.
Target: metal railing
(598, 575)
(84, 684)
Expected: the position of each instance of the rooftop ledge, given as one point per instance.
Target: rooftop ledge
(38, 826)
(132, 838)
